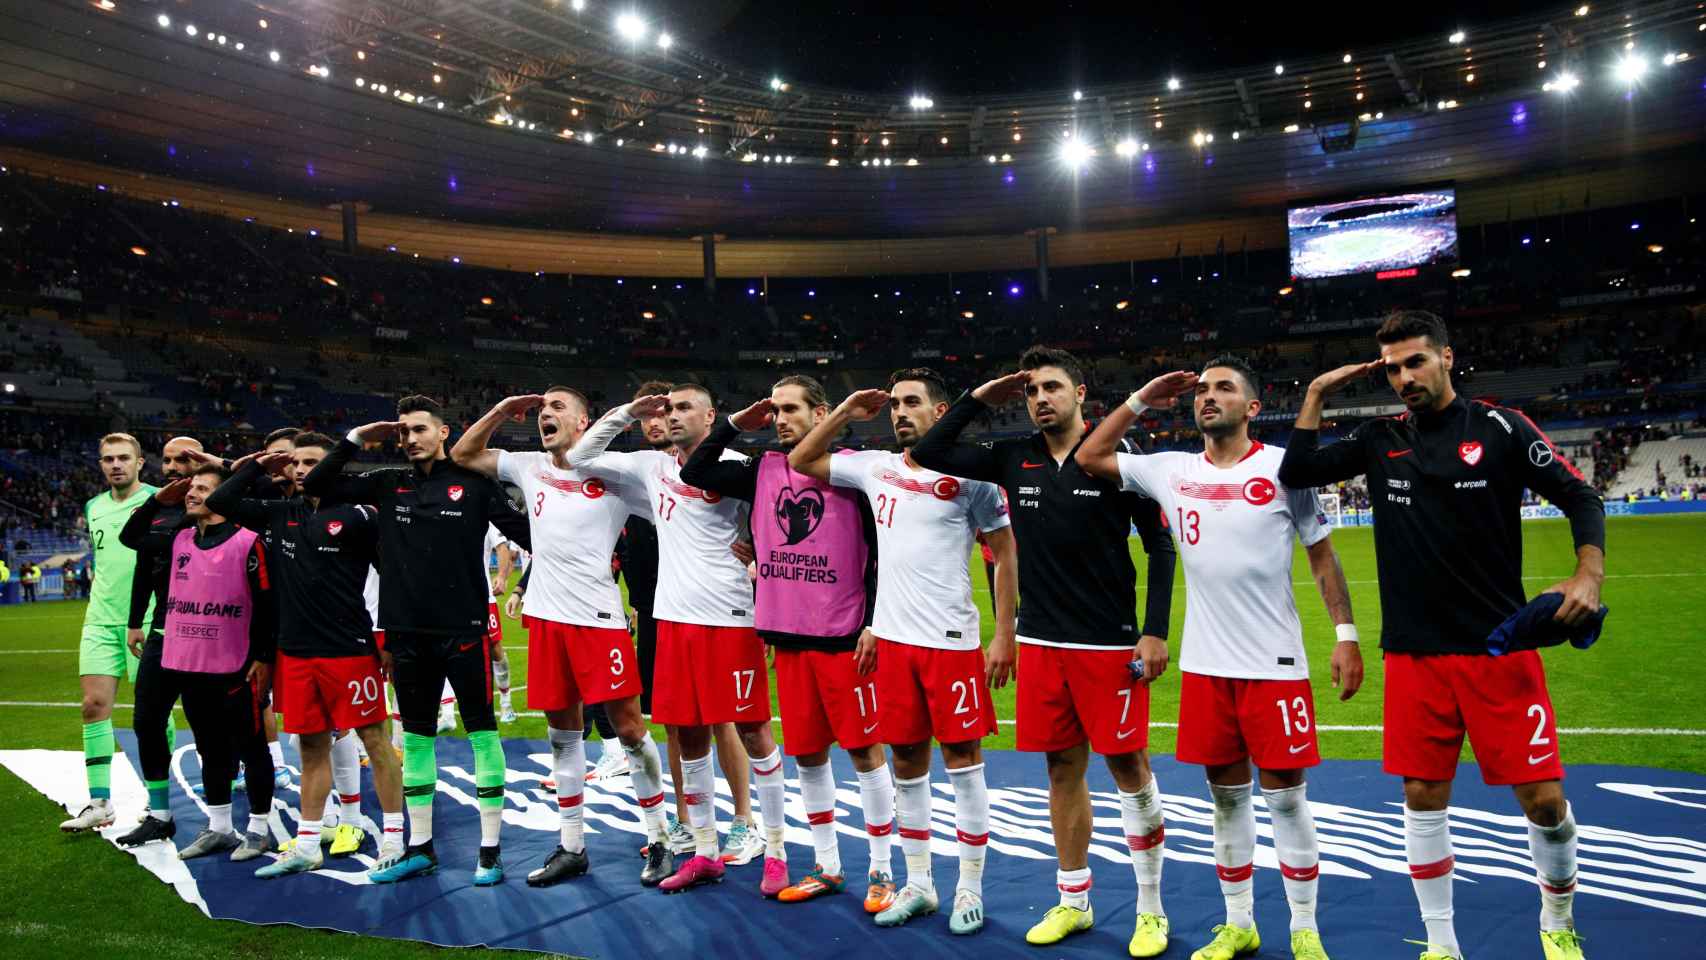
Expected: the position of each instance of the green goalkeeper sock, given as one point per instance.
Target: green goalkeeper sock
(98, 758)
(488, 783)
(171, 734)
(420, 780)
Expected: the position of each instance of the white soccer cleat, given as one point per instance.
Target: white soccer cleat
(97, 815)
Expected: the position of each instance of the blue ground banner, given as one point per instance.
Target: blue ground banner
(1642, 882)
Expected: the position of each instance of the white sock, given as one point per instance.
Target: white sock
(876, 796)
(420, 823)
(393, 829)
(491, 825)
(1554, 853)
(1235, 851)
(500, 676)
(568, 765)
(912, 809)
(971, 819)
(1074, 886)
(219, 817)
(645, 768)
(257, 823)
(1299, 853)
(308, 838)
(699, 786)
(1145, 837)
(277, 750)
(772, 796)
(1427, 845)
(817, 789)
(346, 778)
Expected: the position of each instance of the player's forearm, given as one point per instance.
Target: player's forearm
(1095, 455)
(226, 499)
(940, 449)
(474, 442)
(139, 523)
(1158, 588)
(599, 436)
(1330, 580)
(1006, 592)
(1309, 418)
(811, 455)
(322, 481)
(1590, 560)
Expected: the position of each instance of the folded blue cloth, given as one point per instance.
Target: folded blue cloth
(1532, 627)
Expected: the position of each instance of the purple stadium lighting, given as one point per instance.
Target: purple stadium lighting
(751, 291)
(1635, 226)
(1013, 290)
(455, 259)
(811, 293)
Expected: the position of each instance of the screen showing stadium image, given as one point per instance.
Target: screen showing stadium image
(1393, 231)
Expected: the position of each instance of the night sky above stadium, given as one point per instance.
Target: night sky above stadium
(950, 47)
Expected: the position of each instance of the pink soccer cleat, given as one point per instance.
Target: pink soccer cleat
(696, 871)
(775, 877)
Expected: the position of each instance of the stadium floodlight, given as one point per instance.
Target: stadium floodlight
(1582, 10)
(1291, 128)
(1565, 82)
(1077, 95)
(992, 158)
(630, 27)
(1630, 69)
(700, 152)
(163, 20)
(272, 55)
(1460, 273)
(665, 41)
(1126, 147)
(1669, 60)
(1456, 37)
(190, 29)
(1345, 59)
(777, 84)
(1076, 153)
(1173, 83)
(920, 102)
(577, 5)
(1279, 69)
(1199, 138)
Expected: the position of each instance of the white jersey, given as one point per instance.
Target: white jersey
(370, 596)
(1234, 528)
(575, 520)
(926, 525)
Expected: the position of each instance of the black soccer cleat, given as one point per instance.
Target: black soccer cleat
(660, 864)
(148, 831)
(559, 866)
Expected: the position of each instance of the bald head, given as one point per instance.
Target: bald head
(174, 462)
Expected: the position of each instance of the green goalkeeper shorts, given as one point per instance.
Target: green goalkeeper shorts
(103, 652)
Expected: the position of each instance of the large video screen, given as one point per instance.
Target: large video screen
(1371, 234)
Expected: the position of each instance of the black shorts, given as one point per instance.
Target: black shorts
(421, 662)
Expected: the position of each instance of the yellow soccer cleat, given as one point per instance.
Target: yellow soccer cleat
(1432, 952)
(1561, 945)
(1150, 937)
(1230, 941)
(346, 840)
(1059, 923)
(1306, 945)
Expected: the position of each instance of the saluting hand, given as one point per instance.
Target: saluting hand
(653, 406)
(173, 493)
(1334, 380)
(377, 431)
(1004, 389)
(1160, 393)
(515, 408)
(865, 404)
(756, 417)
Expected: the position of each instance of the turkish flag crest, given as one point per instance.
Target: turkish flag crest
(335, 527)
(455, 493)
(1470, 452)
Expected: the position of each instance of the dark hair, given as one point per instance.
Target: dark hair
(816, 396)
(214, 469)
(710, 398)
(571, 391)
(653, 388)
(308, 438)
(1041, 356)
(1404, 324)
(935, 387)
(416, 403)
(1232, 361)
(282, 433)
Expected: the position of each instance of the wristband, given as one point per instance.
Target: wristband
(1135, 405)
(353, 437)
(1347, 632)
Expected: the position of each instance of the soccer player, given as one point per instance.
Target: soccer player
(1446, 479)
(221, 624)
(103, 655)
(328, 669)
(816, 589)
(432, 520)
(925, 635)
(272, 487)
(578, 647)
(710, 665)
(1245, 695)
(1079, 645)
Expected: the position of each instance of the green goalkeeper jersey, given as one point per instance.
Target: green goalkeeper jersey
(115, 563)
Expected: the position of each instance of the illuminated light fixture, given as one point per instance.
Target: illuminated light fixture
(163, 20)
(1173, 83)
(1456, 38)
(885, 141)
(272, 55)
(1291, 128)
(139, 251)
(1199, 138)
(1308, 104)
(361, 54)
(1630, 69)
(788, 159)
(1077, 95)
(361, 83)
(665, 41)
(1365, 117)
(262, 23)
(630, 27)
(459, 260)
(1234, 134)
(1126, 147)
(567, 134)
(1122, 305)
(1566, 82)
(888, 161)
(991, 158)
(313, 233)
(835, 141)
(701, 152)
(439, 105)
(1582, 10)
(1279, 69)
(1380, 115)
(864, 163)
(1655, 248)
(745, 158)
(944, 141)
(1075, 154)
(1016, 136)
(329, 281)
(382, 88)
(910, 161)
(834, 162)
(777, 84)
(190, 29)
(1460, 273)
(485, 301)
(1285, 291)
(969, 315)
(1157, 124)
(1469, 78)
(1006, 157)
(1669, 60)
(106, 4)
(239, 45)
(1346, 58)
(437, 78)
(920, 102)
(1540, 66)
(577, 5)
(1146, 148)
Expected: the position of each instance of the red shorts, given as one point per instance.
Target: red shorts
(318, 694)
(1501, 702)
(824, 700)
(494, 630)
(928, 692)
(1070, 695)
(569, 665)
(1223, 720)
(709, 675)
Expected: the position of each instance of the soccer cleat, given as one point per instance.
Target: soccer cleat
(210, 841)
(301, 859)
(1059, 923)
(253, 845)
(612, 764)
(742, 844)
(967, 916)
(389, 850)
(1150, 937)
(1432, 952)
(560, 865)
(660, 863)
(148, 831)
(402, 865)
(345, 840)
(910, 902)
(97, 815)
(489, 872)
(696, 871)
(775, 877)
(1561, 944)
(879, 891)
(281, 779)
(240, 784)
(815, 884)
(1306, 945)
(508, 714)
(1229, 941)
(446, 719)
(680, 837)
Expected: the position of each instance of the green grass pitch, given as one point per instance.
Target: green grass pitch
(78, 894)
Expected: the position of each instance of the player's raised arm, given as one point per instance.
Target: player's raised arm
(1308, 464)
(706, 468)
(1098, 454)
(327, 480)
(598, 437)
(941, 450)
(811, 455)
(471, 451)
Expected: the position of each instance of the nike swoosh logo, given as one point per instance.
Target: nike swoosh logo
(743, 708)
(1532, 761)
(1395, 454)
(968, 723)
(1028, 465)
(368, 711)
(1122, 736)
(618, 685)
(1299, 748)
(467, 647)
(870, 728)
